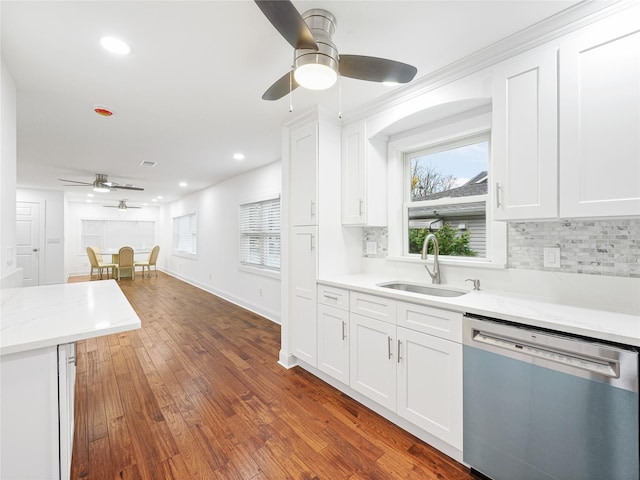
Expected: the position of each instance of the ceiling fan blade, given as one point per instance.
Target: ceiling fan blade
(125, 187)
(376, 69)
(116, 206)
(281, 87)
(286, 19)
(75, 181)
(77, 185)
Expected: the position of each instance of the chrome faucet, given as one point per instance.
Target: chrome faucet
(435, 275)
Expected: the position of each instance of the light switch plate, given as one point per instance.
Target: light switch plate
(372, 248)
(552, 257)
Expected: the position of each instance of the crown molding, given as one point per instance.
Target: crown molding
(536, 35)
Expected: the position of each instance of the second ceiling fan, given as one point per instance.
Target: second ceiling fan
(317, 62)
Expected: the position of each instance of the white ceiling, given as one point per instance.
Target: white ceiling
(188, 97)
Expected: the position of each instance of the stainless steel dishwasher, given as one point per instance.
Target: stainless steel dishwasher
(543, 405)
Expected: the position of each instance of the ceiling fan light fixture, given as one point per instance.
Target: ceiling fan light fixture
(97, 187)
(315, 76)
(122, 206)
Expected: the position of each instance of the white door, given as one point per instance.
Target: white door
(28, 241)
(333, 342)
(372, 361)
(430, 384)
(302, 319)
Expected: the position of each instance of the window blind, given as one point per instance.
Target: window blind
(185, 234)
(113, 234)
(260, 234)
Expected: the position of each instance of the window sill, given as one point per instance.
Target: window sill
(193, 256)
(260, 271)
(457, 262)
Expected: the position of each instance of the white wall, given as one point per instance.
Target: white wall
(7, 173)
(77, 262)
(216, 268)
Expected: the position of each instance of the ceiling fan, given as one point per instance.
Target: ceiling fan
(101, 184)
(122, 205)
(316, 61)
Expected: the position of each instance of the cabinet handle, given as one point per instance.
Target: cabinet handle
(498, 204)
(399, 344)
(389, 340)
(361, 205)
(313, 209)
(344, 334)
(330, 297)
(313, 245)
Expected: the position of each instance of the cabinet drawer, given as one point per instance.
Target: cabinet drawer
(334, 297)
(440, 323)
(373, 307)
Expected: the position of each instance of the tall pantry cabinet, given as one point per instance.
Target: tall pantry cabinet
(313, 242)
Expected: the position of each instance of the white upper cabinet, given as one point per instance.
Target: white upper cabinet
(600, 118)
(364, 199)
(303, 156)
(524, 142)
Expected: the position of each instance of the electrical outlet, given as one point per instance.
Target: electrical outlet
(372, 248)
(551, 257)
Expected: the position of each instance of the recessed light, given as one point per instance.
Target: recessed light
(89, 201)
(238, 156)
(183, 184)
(159, 197)
(90, 195)
(154, 199)
(115, 45)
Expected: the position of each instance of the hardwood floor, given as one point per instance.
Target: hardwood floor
(197, 393)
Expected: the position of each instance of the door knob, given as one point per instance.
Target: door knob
(35, 249)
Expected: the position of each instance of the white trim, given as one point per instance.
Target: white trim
(265, 272)
(565, 22)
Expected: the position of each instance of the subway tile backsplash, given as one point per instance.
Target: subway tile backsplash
(609, 246)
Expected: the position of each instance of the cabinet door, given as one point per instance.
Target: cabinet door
(600, 119)
(66, 389)
(524, 137)
(333, 342)
(303, 293)
(303, 178)
(430, 384)
(354, 174)
(372, 362)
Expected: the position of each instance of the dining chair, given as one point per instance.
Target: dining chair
(151, 261)
(125, 263)
(97, 263)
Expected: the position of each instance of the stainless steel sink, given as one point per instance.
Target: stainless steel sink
(423, 289)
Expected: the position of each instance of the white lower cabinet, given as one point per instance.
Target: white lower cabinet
(36, 403)
(429, 384)
(372, 358)
(414, 374)
(333, 342)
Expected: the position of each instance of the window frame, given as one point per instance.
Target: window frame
(261, 268)
(193, 221)
(484, 136)
(102, 238)
(449, 130)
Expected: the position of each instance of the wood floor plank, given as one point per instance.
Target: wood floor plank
(197, 393)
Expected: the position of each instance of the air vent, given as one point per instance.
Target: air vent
(148, 163)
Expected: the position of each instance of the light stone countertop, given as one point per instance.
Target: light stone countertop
(598, 324)
(37, 317)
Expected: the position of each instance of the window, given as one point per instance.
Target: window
(113, 234)
(260, 234)
(185, 234)
(446, 190)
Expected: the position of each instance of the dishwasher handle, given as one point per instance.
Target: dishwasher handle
(576, 356)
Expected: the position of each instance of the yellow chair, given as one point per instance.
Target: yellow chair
(125, 263)
(97, 263)
(151, 261)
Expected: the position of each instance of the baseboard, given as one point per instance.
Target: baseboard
(287, 360)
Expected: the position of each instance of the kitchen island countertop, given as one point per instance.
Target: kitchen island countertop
(36, 317)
